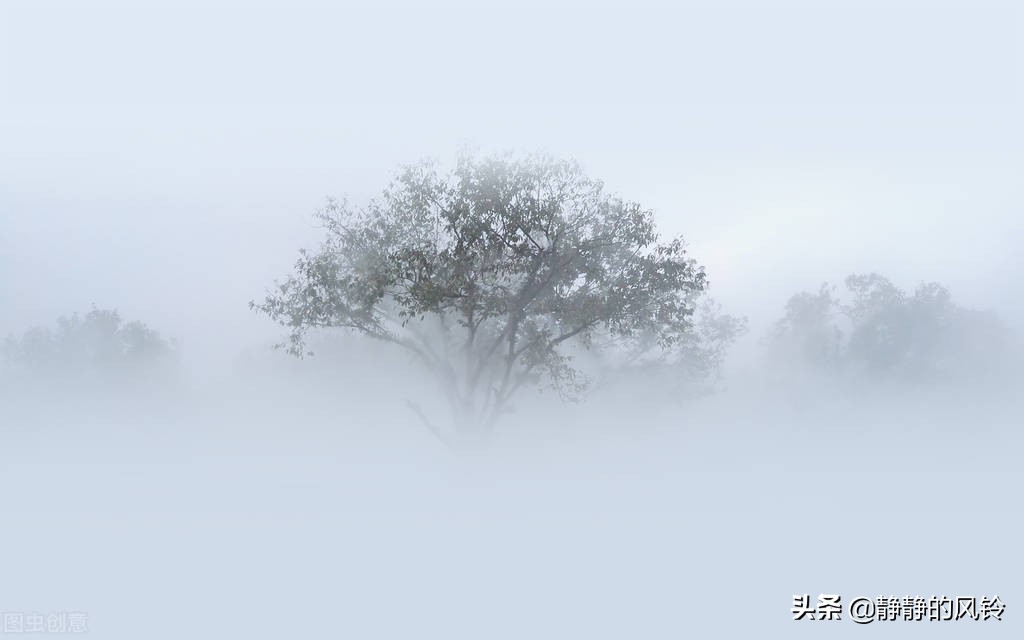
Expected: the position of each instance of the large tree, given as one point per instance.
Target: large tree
(491, 275)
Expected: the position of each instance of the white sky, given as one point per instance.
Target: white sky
(164, 158)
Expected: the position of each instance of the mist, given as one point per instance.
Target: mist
(164, 162)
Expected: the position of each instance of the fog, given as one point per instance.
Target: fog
(165, 160)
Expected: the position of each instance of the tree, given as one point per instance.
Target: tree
(637, 369)
(95, 347)
(921, 336)
(490, 275)
(808, 330)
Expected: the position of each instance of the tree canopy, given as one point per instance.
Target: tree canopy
(490, 275)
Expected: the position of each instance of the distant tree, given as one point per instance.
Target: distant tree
(491, 275)
(808, 331)
(920, 336)
(691, 368)
(895, 332)
(96, 346)
(871, 294)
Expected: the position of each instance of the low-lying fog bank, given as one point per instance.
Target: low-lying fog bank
(314, 503)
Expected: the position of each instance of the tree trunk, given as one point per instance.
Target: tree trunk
(472, 431)
(469, 430)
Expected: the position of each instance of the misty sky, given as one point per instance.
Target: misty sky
(165, 158)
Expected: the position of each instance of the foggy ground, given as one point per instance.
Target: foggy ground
(308, 505)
